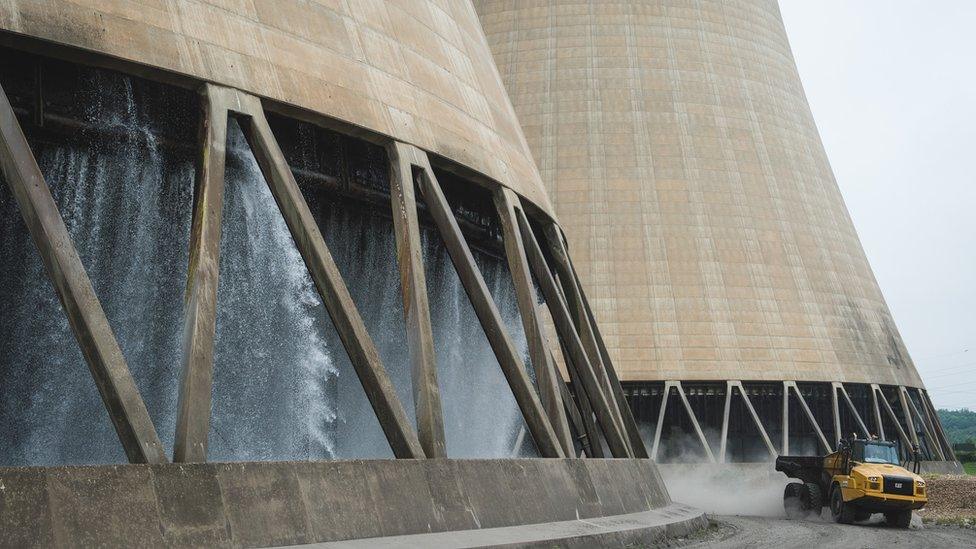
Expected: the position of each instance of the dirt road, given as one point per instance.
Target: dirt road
(747, 499)
(735, 532)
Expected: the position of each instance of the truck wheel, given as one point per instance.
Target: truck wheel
(840, 511)
(793, 500)
(812, 497)
(899, 519)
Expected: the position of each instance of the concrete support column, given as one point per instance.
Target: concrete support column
(786, 419)
(577, 361)
(726, 415)
(909, 420)
(659, 427)
(877, 414)
(835, 412)
(416, 309)
(546, 376)
(203, 273)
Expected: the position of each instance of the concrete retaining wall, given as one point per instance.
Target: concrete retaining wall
(288, 503)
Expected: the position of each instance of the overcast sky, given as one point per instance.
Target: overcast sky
(892, 84)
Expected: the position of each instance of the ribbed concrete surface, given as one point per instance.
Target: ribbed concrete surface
(686, 169)
(416, 70)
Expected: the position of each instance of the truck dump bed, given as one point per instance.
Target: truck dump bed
(805, 468)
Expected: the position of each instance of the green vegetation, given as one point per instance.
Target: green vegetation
(959, 425)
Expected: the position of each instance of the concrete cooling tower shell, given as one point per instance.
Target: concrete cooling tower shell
(418, 71)
(685, 165)
(701, 211)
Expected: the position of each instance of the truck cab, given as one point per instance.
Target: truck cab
(861, 478)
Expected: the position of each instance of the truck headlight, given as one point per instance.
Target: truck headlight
(920, 483)
(874, 479)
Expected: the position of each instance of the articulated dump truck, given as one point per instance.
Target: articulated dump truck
(861, 478)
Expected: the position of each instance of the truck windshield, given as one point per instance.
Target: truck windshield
(880, 453)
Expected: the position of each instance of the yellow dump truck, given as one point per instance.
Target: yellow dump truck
(861, 478)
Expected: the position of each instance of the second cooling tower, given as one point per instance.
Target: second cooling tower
(685, 167)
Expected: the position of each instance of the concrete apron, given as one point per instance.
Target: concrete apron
(634, 529)
(262, 504)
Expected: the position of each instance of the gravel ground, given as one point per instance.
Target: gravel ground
(948, 521)
(735, 532)
(952, 500)
(746, 508)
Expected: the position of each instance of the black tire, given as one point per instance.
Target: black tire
(839, 510)
(793, 500)
(899, 519)
(812, 497)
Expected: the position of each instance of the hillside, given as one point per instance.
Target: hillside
(959, 425)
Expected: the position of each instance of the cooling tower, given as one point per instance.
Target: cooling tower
(260, 261)
(685, 167)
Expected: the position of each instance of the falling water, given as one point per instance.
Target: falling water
(283, 385)
(272, 364)
(126, 205)
(481, 417)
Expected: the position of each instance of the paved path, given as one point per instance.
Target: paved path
(636, 529)
(782, 533)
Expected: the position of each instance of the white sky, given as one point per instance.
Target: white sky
(892, 85)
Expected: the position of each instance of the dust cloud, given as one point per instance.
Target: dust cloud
(748, 489)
